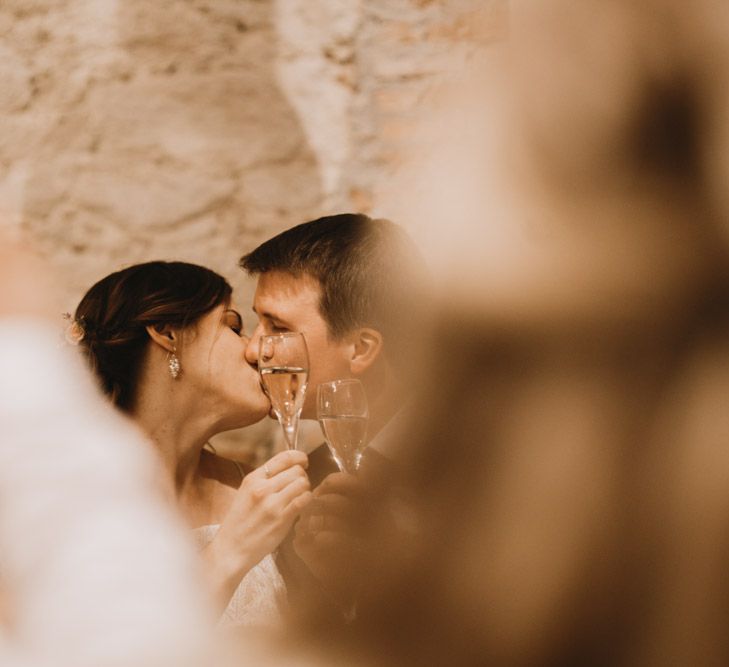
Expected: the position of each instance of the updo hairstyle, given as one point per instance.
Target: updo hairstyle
(115, 312)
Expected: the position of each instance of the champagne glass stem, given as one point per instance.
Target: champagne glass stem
(291, 430)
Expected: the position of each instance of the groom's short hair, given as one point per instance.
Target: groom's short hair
(369, 270)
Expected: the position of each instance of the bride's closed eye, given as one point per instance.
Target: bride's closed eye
(233, 319)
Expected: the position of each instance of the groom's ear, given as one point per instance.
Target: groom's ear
(164, 336)
(367, 346)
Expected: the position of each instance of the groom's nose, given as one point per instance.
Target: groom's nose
(251, 352)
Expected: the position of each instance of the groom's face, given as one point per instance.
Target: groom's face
(285, 302)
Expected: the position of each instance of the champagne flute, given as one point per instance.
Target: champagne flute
(343, 414)
(283, 364)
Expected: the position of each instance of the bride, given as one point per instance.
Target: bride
(168, 349)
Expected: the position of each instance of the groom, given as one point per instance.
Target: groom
(353, 286)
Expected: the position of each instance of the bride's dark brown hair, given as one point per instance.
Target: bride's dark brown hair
(116, 311)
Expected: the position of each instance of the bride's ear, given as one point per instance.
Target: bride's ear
(164, 336)
(366, 349)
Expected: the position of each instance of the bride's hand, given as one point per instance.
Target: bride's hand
(266, 506)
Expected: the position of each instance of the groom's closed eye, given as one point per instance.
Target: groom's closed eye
(273, 324)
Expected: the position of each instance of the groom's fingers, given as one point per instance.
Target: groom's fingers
(316, 523)
(344, 485)
(340, 482)
(318, 544)
(335, 504)
(327, 546)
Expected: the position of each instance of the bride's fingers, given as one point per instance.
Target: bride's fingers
(294, 507)
(284, 478)
(293, 490)
(282, 461)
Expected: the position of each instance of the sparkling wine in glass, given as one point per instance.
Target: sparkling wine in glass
(283, 363)
(343, 414)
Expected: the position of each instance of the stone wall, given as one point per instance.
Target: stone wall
(194, 129)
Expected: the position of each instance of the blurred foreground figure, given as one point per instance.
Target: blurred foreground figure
(568, 492)
(95, 568)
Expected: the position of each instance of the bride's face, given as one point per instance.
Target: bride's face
(212, 356)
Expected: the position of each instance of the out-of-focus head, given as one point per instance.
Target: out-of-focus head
(28, 288)
(587, 300)
(577, 166)
(169, 307)
(349, 283)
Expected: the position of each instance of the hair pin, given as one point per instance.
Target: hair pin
(75, 331)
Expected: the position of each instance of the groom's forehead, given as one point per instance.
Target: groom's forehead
(279, 292)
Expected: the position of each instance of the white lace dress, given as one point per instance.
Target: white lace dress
(261, 594)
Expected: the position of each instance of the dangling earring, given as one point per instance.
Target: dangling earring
(173, 364)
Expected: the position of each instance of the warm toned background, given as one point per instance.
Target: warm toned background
(194, 129)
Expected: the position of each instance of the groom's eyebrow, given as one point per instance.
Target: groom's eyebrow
(270, 316)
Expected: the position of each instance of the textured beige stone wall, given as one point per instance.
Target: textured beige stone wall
(194, 129)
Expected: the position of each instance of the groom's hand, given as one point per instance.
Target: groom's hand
(329, 534)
